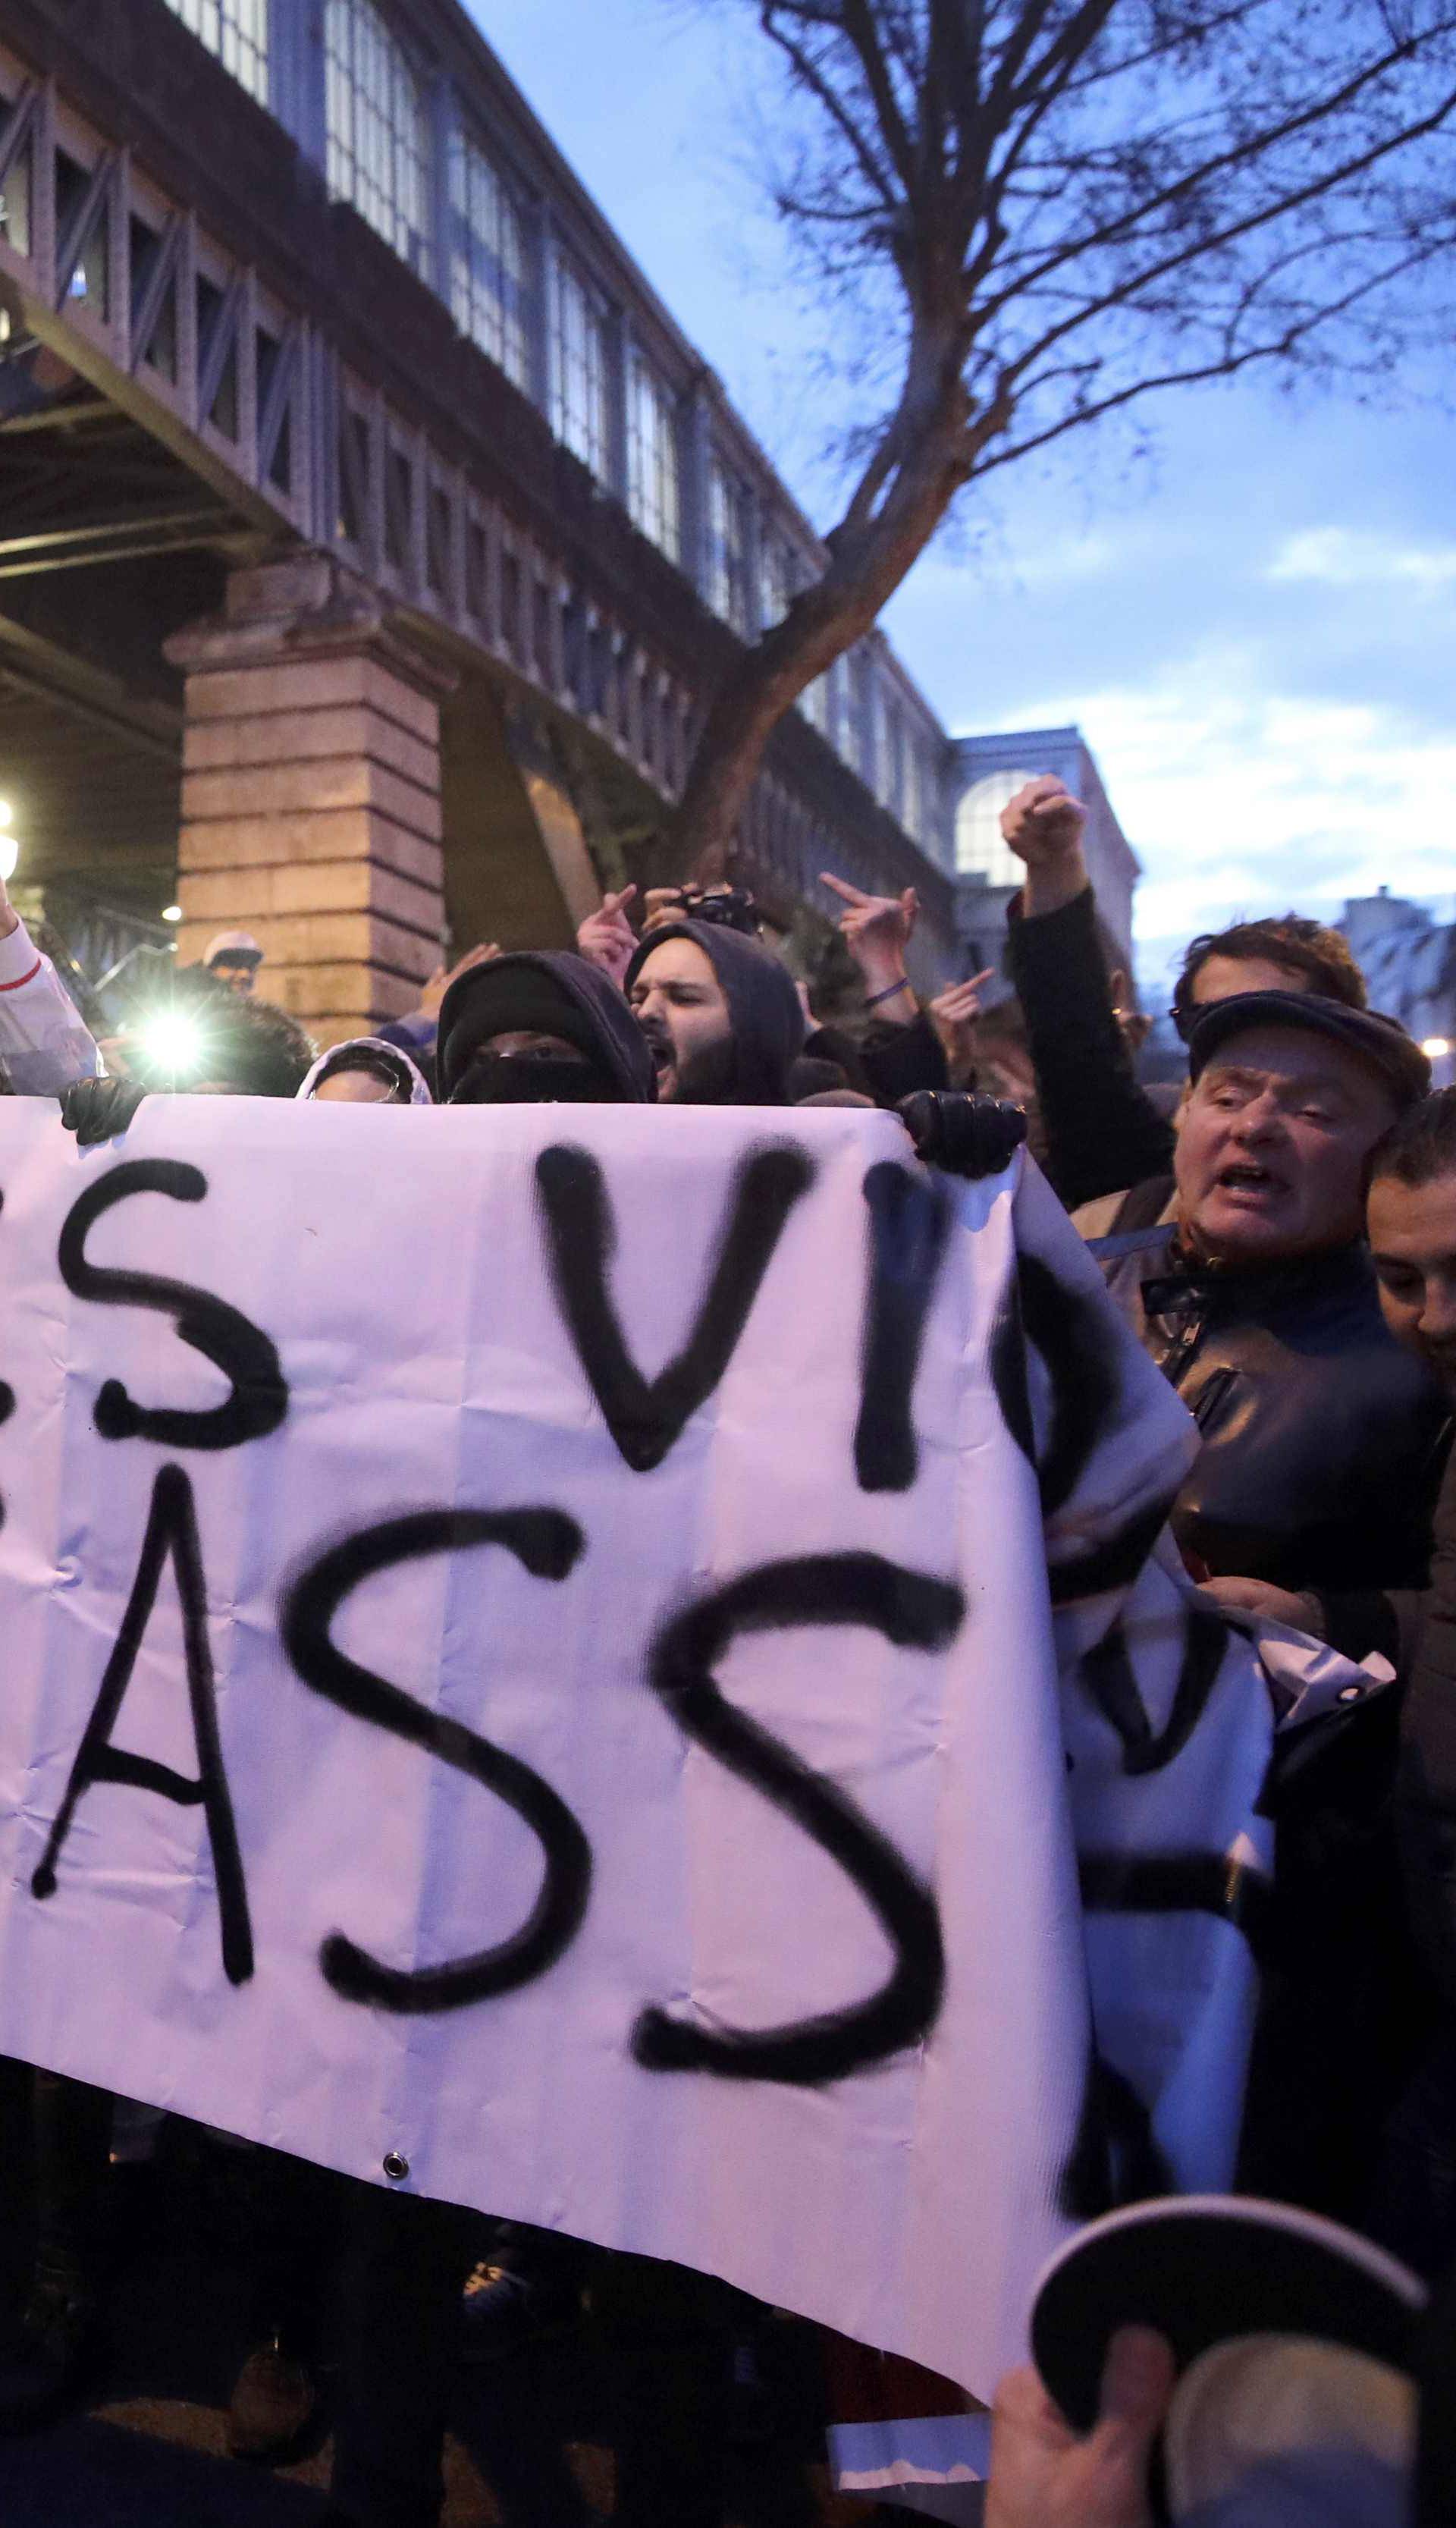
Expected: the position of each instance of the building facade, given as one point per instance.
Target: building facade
(1408, 957)
(988, 771)
(371, 538)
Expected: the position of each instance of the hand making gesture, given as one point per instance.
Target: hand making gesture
(876, 930)
(953, 1015)
(607, 937)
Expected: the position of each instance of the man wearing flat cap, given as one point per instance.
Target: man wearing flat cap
(1321, 1460)
(1256, 1298)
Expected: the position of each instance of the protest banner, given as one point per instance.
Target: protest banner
(530, 1676)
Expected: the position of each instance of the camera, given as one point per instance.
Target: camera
(730, 906)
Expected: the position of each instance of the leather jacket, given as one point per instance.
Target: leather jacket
(1320, 1451)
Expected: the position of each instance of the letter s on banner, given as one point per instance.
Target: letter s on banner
(913, 1611)
(230, 1341)
(549, 1544)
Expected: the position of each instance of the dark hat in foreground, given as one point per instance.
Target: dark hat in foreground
(547, 992)
(1379, 1041)
(1203, 2268)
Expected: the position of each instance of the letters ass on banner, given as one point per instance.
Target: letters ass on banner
(531, 1677)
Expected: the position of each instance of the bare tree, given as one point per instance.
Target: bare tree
(1072, 204)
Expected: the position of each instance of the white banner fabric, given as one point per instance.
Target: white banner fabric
(616, 1586)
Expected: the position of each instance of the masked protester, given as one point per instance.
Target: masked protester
(535, 1027)
(720, 1015)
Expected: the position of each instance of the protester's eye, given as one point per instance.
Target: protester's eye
(1400, 1284)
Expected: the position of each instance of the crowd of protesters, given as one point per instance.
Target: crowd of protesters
(1283, 1246)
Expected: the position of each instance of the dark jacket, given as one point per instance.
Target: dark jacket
(1320, 1436)
(762, 1005)
(886, 1063)
(1427, 1760)
(1103, 1131)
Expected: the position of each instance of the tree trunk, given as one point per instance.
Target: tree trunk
(869, 557)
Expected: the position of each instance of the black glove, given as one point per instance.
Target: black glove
(96, 1110)
(967, 1137)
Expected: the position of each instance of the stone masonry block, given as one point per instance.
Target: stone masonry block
(295, 737)
(311, 684)
(325, 782)
(332, 834)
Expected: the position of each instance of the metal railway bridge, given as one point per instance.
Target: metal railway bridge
(370, 537)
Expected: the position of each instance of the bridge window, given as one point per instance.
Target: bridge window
(814, 702)
(399, 504)
(654, 493)
(728, 590)
(82, 238)
(890, 755)
(15, 203)
(782, 575)
(377, 146)
(913, 808)
(981, 850)
(477, 571)
(488, 282)
(237, 32)
(158, 350)
(579, 413)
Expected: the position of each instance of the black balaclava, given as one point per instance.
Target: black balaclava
(545, 993)
(763, 1012)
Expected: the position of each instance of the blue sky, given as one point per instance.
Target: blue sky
(1252, 619)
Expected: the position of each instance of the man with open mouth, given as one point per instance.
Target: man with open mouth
(1317, 1473)
(1259, 1301)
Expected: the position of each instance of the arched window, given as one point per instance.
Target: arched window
(488, 291)
(579, 367)
(237, 31)
(377, 139)
(981, 851)
(653, 486)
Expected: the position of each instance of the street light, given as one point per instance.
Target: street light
(1436, 1047)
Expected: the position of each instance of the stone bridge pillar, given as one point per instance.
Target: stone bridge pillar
(311, 812)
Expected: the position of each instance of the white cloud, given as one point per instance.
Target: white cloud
(1353, 558)
(1239, 801)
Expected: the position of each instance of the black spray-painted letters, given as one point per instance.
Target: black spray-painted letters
(259, 1397)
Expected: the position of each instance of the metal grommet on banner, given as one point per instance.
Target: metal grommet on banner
(395, 2164)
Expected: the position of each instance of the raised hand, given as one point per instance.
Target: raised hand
(1044, 826)
(1042, 821)
(953, 1015)
(876, 929)
(607, 937)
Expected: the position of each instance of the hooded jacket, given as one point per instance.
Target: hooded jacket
(552, 992)
(380, 1056)
(763, 1008)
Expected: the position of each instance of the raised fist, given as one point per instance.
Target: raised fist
(1043, 822)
